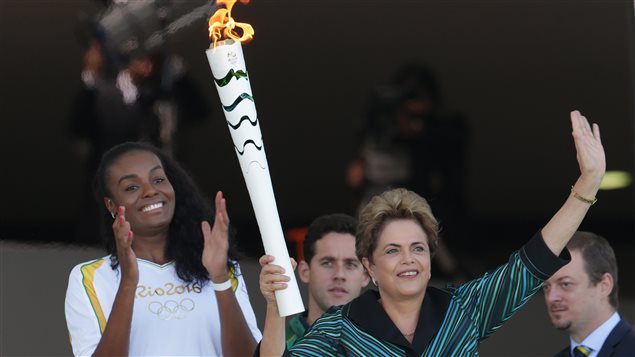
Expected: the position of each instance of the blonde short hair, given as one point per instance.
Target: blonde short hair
(389, 206)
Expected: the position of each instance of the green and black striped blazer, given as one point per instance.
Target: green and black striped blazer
(451, 323)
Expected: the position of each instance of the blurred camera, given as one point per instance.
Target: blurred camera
(130, 28)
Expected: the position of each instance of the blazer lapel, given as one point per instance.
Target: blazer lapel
(433, 310)
(566, 352)
(614, 338)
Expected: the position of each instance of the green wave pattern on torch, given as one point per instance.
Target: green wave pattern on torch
(228, 77)
(240, 98)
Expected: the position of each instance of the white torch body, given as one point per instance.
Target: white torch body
(234, 89)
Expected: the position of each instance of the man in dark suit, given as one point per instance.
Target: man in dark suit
(582, 299)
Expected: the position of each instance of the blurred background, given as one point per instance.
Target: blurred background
(487, 117)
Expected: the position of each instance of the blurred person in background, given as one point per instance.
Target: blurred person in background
(410, 141)
(146, 100)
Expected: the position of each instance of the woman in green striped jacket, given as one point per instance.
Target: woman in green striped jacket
(396, 238)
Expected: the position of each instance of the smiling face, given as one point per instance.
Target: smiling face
(334, 274)
(137, 181)
(574, 304)
(401, 260)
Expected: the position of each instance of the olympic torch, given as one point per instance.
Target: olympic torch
(228, 67)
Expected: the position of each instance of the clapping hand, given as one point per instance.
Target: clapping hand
(126, 256)
(216, 242)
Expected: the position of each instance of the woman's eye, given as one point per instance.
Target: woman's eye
(419, 249)
(391, 251)
(159, 180)
(131, 188)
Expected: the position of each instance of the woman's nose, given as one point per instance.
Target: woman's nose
(149, 190)
(407, 257)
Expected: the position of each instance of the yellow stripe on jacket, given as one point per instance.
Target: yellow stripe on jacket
(88, 274)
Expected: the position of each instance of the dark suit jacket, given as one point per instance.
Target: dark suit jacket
(620, 342)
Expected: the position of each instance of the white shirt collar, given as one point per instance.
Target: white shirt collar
(596, 339)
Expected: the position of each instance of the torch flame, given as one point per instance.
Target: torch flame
(222, 25)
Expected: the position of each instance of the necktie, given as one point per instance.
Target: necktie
(581, 351)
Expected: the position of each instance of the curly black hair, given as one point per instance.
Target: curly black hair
(185, 238)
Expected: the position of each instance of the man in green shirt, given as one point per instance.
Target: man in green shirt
(331, 269)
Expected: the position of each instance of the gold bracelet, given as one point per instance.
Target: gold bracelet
(583, 199)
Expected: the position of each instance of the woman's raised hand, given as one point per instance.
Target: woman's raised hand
(216, 242)
(126, 256)
(589, 150)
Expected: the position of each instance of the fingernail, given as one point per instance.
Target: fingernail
(129, 234)
(121, 219)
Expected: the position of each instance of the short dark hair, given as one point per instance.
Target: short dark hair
(598, 258)
(323, 225)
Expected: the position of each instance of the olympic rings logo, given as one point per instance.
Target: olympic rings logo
(171, 309)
